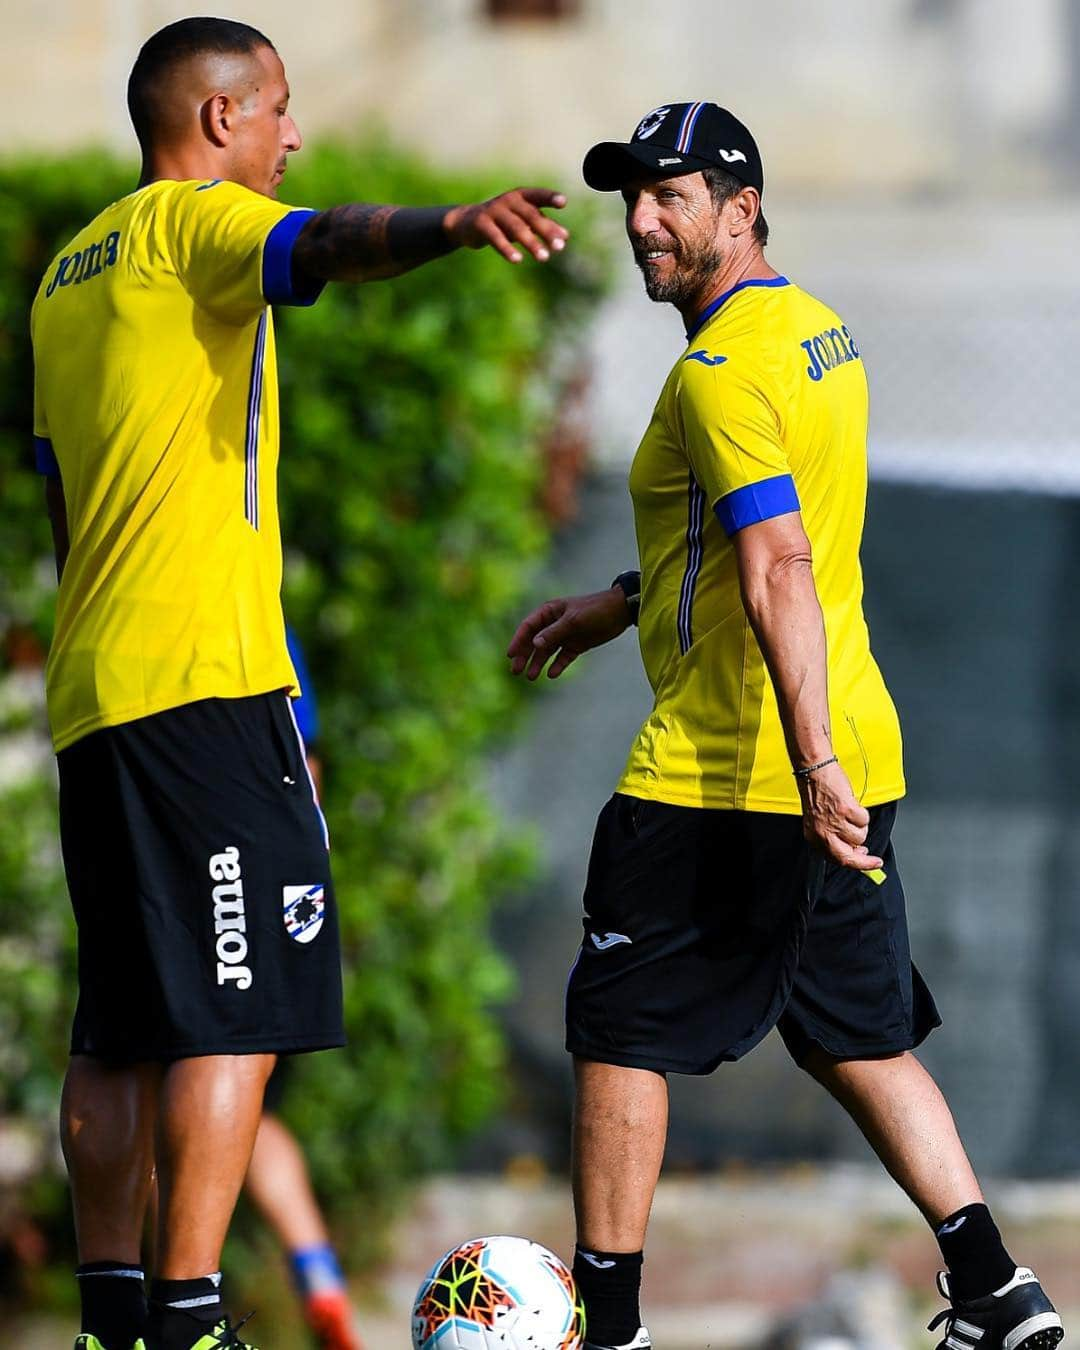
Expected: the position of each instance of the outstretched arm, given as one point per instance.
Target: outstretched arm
(360, 242)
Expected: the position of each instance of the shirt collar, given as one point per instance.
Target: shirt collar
(710, 309)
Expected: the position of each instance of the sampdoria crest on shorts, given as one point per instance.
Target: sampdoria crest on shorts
(651, 123)
(305, 909)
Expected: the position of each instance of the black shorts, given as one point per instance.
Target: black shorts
(705, 929)
(196, 858)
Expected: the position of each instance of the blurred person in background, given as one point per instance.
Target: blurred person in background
(277, 1181)
(195, 852)
(738, 881)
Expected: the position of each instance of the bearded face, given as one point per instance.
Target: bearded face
(674, 228)
(676, 271)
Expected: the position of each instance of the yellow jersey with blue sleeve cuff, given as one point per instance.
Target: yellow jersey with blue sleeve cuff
(764, 413)
(156, 403)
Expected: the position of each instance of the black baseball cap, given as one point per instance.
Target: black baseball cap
(674, 139)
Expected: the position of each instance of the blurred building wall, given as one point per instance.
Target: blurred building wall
(898, 95)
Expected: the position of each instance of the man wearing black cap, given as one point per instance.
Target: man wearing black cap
(742, 876)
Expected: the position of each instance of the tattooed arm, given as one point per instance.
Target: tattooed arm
(366, 243)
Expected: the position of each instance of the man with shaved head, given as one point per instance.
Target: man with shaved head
(194, 848)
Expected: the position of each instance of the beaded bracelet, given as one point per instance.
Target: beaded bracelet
(813, 768)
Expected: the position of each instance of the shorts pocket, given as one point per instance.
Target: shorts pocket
(286, 742)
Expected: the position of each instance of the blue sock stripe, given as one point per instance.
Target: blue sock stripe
(316, 1269)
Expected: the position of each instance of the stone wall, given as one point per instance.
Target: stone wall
(894, 96)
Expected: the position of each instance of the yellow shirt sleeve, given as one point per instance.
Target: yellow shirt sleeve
(732, 435)
(232, 248)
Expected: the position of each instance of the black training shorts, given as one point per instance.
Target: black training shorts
(196, 858)
(704, 929)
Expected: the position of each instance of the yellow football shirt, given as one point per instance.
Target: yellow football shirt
(763, 414)
(155, 391)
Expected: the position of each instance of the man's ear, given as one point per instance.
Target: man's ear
(745, 207)
(216, 118)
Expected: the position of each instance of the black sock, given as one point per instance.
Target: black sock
(181, 1311)
(974, 1253)
(113, 1298)
(610, 1287)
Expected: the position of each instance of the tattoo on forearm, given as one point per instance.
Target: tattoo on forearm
(415, 234)
(346, 243)
(359, 242)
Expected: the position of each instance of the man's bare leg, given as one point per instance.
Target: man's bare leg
(280, 1188)
(208, 1114)
(908, 1124)
(107, 1135)
(279, 1185)
(620, 1129)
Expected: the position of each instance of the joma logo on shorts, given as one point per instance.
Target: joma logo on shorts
(230, 921)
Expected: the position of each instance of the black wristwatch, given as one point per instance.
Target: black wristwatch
(630, 585)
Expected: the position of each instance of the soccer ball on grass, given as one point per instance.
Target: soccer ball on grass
(498, 1293)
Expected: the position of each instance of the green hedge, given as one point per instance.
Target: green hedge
(412, 416)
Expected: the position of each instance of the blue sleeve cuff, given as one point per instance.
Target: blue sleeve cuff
(756, 502)
(277, 273)
(44, 459)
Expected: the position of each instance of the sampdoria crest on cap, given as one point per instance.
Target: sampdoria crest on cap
(650, 123)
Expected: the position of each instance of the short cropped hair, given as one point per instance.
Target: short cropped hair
(724, 186)
(169, 46)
